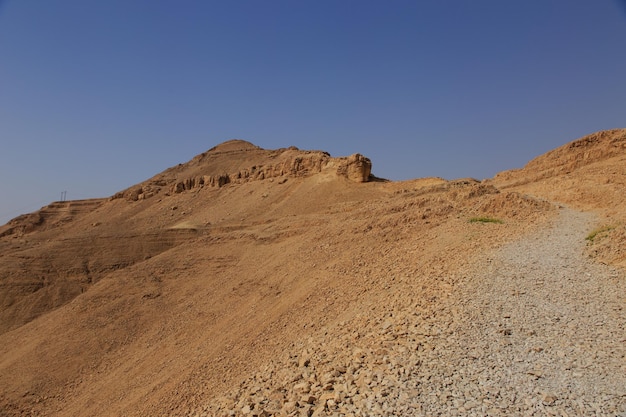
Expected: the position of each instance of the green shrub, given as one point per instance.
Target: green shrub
(594, 233)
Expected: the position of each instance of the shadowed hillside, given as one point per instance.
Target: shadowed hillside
(172, 292)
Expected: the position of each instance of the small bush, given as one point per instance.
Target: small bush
(591, 236)
(485, 220)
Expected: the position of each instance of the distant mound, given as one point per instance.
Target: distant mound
(67, 246)
(238, 161)
(233, 145)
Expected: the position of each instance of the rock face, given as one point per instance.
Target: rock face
(237, 162)
(356, 168)
(296, 166)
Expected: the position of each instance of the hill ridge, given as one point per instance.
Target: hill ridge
(158, 305)
(237, 161)
(566, 158)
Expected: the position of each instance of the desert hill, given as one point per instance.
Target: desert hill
(70, 245)
(588, 174)
(164, 297)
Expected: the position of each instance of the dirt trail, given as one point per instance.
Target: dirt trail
(535, 328)
(539, 331)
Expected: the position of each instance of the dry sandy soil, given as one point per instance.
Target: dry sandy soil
(287, 282)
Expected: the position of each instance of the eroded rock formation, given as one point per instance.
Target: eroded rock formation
(246, 163)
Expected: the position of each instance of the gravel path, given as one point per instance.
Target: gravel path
(537, 329)
(541, 331)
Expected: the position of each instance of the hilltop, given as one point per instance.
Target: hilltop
(219, 285)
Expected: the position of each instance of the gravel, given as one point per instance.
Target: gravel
(535, 328)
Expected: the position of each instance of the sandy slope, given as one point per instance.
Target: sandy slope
(536, 328)
(216, 274)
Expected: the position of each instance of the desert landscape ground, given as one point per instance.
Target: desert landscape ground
(253, 282)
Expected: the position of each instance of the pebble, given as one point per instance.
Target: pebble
(506, 342)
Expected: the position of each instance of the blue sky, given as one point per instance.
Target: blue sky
(98, 95)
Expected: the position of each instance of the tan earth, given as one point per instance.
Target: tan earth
(291, 283)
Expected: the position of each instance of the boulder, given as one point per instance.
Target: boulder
(355, 167)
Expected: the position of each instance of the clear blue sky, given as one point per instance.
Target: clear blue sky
(98, 95)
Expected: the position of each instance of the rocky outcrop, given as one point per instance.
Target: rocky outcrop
(237, 162)
(201, 181)
(143, 191)
(356, 168)
(298, 166)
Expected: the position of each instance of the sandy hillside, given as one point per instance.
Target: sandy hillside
(289, 282)
(587, 174)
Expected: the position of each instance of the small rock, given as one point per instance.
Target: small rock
(304, 361)
(302, 387)
(319, 411)
(327, 396)
(549, 399)
(289, 407)
(308, 399)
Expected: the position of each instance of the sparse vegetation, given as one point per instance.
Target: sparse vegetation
(182, 267)
(485, 220)
(600, 230)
